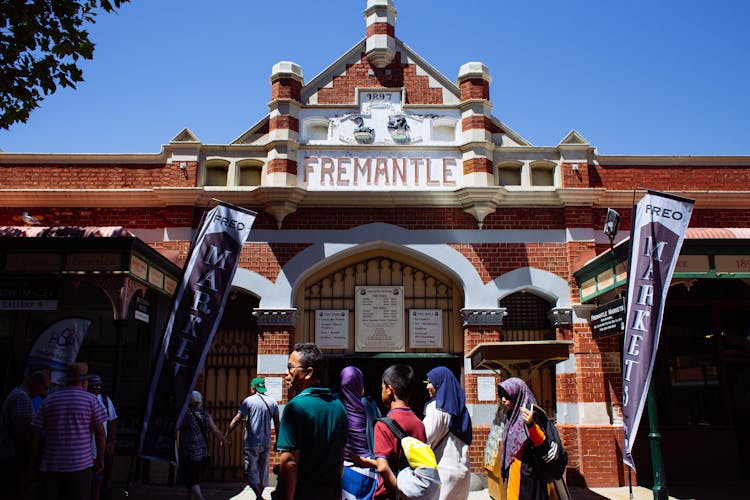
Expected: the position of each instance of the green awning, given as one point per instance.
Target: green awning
(707, 253)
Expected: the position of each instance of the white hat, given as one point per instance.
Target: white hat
(196, 398)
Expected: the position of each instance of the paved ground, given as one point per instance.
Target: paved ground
(736, 490)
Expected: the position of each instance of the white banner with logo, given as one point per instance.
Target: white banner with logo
(656, 237)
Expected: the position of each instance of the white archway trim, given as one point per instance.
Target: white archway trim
(399, 240)
(252, 282)
(477, 294)
(545, 284)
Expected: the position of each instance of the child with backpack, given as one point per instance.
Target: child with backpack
(390, 457)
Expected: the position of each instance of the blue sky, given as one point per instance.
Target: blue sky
(636, 77)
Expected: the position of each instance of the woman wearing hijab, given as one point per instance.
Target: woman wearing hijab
(448, 427)
(359, 479)
(522, 439)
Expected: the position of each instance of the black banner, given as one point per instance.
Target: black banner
(196, 311)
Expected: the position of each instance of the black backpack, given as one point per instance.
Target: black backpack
(550, 457)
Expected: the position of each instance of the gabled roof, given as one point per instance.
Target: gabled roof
(343, 76)
(574, 139)
(186, 135)
(356, 56)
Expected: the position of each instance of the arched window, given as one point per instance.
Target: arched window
(315, 128)
(216, 173)
(444, 129)
(543, 173)
(249, 173)
(509, 173)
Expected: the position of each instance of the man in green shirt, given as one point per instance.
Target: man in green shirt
(312, 435)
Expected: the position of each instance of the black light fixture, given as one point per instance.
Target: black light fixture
(610, 226)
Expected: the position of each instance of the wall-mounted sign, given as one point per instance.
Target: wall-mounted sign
(426, 328)
(486, 389)
(332, 328)
(142, 309)
(732, 263)
(608, 319)
(25, 296)
(379, 312)
(93, 261)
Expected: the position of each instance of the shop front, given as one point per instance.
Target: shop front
(702, 368)
(119, 288)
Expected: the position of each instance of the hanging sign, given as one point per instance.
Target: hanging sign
(608, 319)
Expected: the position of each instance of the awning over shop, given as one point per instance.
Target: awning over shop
(708, 252)
(38, 253)
(533, 354)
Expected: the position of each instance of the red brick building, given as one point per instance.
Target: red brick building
(378, 177)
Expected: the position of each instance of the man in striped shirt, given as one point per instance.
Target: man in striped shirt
(67, 418)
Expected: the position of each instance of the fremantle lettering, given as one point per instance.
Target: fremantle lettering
(348, 171)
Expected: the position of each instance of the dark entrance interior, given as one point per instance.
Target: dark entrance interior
(702, 383)
(373, 367)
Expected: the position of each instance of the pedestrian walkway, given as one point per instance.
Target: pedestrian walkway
(732, 490)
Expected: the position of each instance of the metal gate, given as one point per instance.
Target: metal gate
(527, 321)
(422, 290)
(230, 365)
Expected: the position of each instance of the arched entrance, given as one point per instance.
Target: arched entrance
(230, 365)
(423, 289)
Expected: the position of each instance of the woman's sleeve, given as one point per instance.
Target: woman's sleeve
(436, 423)
(536, 434)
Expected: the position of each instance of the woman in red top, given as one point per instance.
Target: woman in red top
(521, 434)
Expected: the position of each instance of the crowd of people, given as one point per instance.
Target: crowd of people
(62, 442)
(330, 445)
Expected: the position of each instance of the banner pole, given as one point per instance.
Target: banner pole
(657, 464)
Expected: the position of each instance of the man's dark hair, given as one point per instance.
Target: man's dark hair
(310, 356)
(401, 378)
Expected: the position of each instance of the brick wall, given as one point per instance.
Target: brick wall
(95, 175)
(396, 74)
(492, 259)
(130, 218)
(267, 259)
(669, 178)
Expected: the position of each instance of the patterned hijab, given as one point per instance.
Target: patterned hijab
(515, 432)
(352, 383)
(450, 397)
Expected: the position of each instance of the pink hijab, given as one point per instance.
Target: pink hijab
(515, 432)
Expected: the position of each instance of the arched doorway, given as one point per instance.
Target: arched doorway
(527, 321)
(423, 288)
(230, 364)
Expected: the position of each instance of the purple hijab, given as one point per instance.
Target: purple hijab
(515, 432)
(352, 384)
(450, 397)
